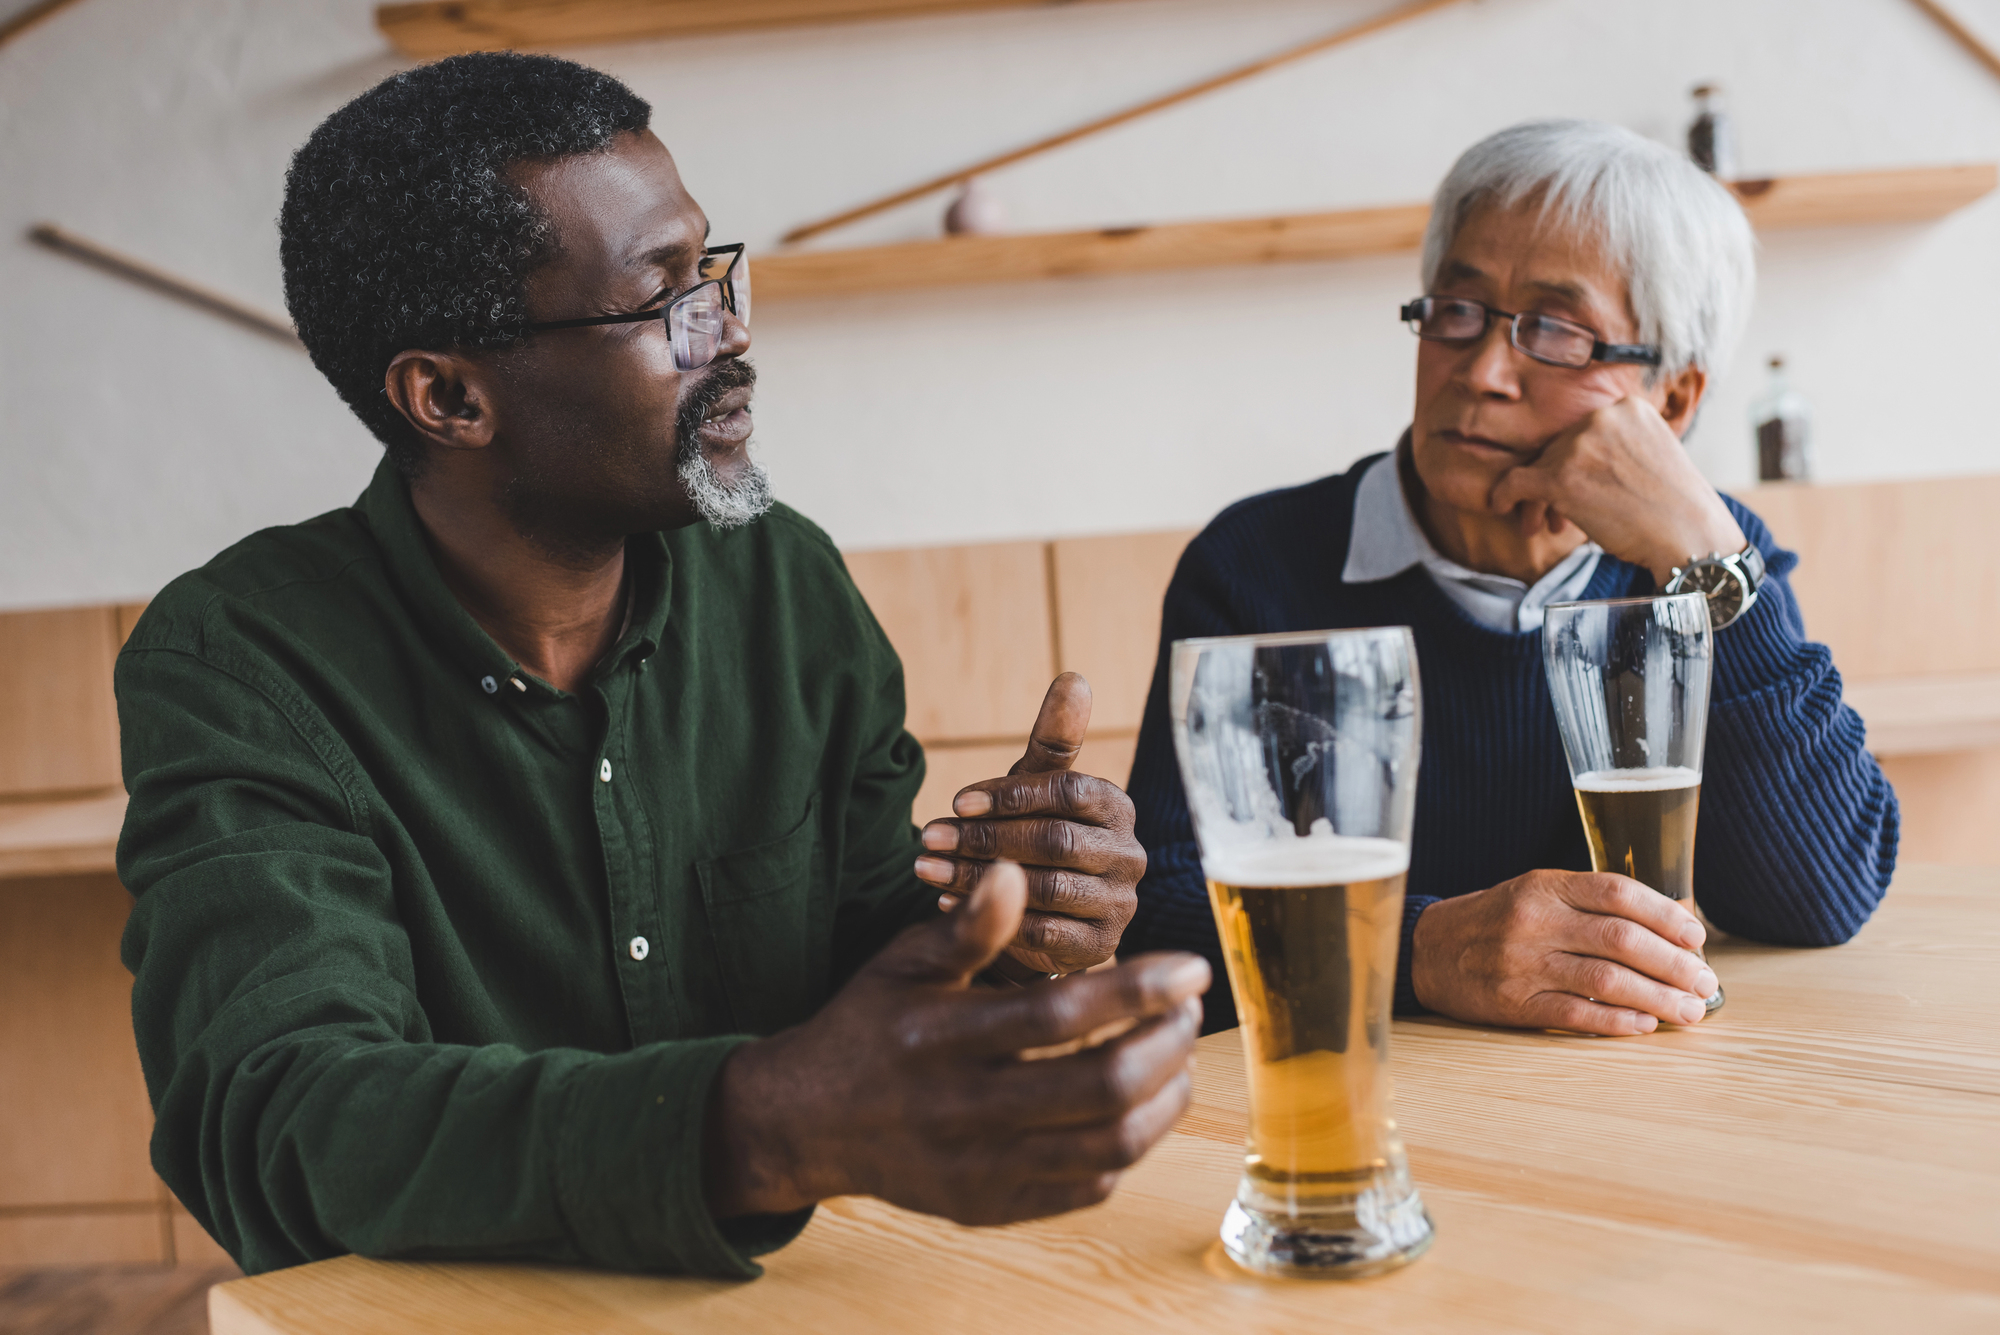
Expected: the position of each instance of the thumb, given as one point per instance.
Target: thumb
(951, 949)
(1059, 728)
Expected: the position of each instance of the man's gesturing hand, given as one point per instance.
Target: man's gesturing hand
(1586, 951)
(1623, 477)
(909, 1085)
(1072, 833)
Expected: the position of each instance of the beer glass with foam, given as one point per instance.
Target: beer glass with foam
(1298, 753)
(1629, 677)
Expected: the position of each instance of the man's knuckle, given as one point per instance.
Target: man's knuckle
(1623, 936)
(1600, 976)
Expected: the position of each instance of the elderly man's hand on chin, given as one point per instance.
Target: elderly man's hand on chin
(1073, 834)
(1622, 475)
(1589, 952)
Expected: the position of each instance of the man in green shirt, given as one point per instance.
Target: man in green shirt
(522, 856)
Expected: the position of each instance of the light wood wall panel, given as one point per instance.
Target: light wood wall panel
(1108, 593)
(1899, 579)
(973, 629)
(58, 721)
(76, 1116)
(1951, 806)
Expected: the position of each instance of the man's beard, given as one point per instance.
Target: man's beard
(723, 504)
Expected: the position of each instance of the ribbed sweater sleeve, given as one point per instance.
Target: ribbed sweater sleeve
(1798, 831)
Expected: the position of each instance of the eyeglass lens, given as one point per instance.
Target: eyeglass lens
(1542, 337)
(695, 322)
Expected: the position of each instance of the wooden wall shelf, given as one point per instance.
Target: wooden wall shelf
(435, 28)
(1911, 194)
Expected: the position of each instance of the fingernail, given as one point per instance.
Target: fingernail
(1647, 1024)
(933, 869)
(1705, 983)
(1692, 1010)
(1188, 976)
(941, 837)
(946, 903)
(1692, 936)
(973, 803)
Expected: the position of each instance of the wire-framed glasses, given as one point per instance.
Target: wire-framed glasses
(694, 319)
(1544, 337)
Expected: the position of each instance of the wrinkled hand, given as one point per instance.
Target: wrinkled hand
(1072, 833)
(910, 1085)
(1624, 478)
(1586, 951)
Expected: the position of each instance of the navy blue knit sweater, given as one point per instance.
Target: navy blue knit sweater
(1798, 826)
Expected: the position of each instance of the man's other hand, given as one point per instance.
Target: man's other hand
(910, 1084)
(1586, 951)
(1073, 834)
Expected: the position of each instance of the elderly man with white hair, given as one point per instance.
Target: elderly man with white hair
(1582, 284)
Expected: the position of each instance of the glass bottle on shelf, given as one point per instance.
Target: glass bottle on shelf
(1712, 136)
(1784, 430)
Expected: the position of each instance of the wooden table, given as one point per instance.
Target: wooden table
(1823, 1156)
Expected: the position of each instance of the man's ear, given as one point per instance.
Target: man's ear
(1679, 398)
(446, 397)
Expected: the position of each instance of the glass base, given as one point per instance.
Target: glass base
(1381, 1230)
(1715, 1002)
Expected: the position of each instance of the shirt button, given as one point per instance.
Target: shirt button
(488, 685)
(604, 772)
(639, 948)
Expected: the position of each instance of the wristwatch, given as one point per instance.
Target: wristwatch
(1731, 582)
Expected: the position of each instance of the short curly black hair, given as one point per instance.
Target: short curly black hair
(400, 229)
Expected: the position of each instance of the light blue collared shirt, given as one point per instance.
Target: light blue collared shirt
(1387, 540)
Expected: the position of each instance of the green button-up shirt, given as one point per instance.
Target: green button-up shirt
(433, 959)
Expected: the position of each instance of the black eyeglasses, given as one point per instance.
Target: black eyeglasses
(694, 319)
(1543, 337)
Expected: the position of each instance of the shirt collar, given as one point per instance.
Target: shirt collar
(1385, 540)
(392, 517)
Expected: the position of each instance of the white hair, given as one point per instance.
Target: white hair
(1679, 237)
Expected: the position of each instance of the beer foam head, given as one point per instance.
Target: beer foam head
(1656, 780)
(1320, 858)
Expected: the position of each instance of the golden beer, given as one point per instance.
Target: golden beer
(1309, 937)
(1640, 823)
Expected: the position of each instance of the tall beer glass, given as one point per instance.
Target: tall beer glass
(1299, 757)
(1629, 678)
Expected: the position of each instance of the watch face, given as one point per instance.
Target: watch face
(1724, 590)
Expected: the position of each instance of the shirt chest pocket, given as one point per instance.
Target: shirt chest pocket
(769, 917)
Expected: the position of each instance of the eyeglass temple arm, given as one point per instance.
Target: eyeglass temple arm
(1636, 354)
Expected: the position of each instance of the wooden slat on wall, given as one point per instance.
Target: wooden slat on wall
(972, 627)
(58, 722)
(1108, 593)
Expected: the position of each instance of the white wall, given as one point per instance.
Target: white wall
(137, 437)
